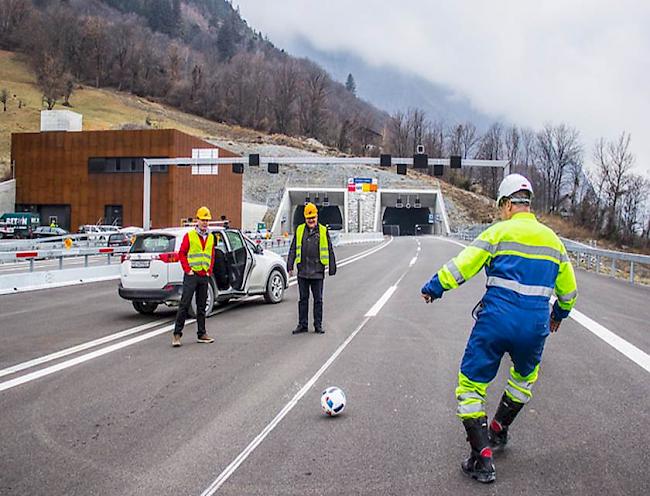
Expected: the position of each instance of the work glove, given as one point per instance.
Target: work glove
(554, 325)
(427, 297)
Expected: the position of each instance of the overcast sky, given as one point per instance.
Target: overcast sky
(586, 63)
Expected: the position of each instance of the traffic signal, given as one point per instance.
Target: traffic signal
(454, 162)
(420, 161)
(254, 160)
(238, 168)
(273, 168)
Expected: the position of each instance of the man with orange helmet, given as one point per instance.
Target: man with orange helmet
(311, 250)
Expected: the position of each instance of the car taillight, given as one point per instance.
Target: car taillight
(125, 257)
(168, 257)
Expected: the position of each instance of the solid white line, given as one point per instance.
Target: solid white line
(223, 477)
(81, 347)
(618, 343)
(641, 358)
(381, 302)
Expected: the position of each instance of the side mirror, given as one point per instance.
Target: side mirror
(258, 249)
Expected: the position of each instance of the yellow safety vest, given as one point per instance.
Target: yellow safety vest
(324, 247)
(199, 258)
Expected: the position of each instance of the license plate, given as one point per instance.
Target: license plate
(140, 264)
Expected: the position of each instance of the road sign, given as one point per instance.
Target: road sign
(205, 170)
(362, 185)
(430, 218)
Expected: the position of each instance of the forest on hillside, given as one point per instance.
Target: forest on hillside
(200, 56)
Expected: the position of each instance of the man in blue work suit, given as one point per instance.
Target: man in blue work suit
(525, 263)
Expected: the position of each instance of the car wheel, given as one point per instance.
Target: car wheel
(145, 307)
(209, 304)
(274, 287)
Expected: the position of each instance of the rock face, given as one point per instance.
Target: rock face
(263, 188)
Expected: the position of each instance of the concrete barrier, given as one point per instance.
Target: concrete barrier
(354, 238)
(32, 281)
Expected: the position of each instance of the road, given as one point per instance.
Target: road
(133, 416)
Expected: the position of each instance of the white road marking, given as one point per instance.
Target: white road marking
(641, 358)
(618, 343)
(83, 358)
(381, 302)
(234, 465)
(103, 351)
(413, 260)
(81, 347)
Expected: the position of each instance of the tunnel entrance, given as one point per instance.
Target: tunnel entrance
(328, 216)
(406, 219)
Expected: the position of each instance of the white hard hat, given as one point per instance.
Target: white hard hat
(511, 184)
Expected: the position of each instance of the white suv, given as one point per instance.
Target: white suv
(151, 272)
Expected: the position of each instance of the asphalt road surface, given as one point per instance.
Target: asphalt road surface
(127, 414)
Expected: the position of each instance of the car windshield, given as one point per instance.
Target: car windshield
(153, 243)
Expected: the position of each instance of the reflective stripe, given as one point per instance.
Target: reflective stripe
(470, 396)
(546, 251)
(517, 394)
(483, 245)
(564, 258)
(467, 408)
(453, 270)
(567, 297)
(523, 289)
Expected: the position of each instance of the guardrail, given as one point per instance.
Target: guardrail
(599, 260)
(61, 254)
(596, 259)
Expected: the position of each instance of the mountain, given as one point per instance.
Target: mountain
(389, 88)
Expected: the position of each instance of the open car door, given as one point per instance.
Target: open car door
(240, 260)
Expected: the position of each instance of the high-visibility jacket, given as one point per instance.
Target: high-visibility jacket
(199, 257)
(324, 250)
(524, 261)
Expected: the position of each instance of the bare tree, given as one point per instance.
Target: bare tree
(285, 84)
(491, 148)
(399, 129)
(311, 102)
(4, 97)
(417, 125)
(558, 148)
(632, 208)
(614, 161)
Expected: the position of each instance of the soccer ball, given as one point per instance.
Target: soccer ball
(333, 401)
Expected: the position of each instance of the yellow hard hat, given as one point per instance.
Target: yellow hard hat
(203, 213)
(310, 211)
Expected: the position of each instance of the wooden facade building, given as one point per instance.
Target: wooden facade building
(90, 177)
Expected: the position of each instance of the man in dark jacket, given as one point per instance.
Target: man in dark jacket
(311, 250)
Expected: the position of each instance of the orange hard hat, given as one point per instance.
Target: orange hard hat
(310, 211)
(203, 213)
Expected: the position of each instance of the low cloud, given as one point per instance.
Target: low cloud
(579, 62)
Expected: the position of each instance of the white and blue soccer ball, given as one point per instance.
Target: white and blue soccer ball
(333, 401)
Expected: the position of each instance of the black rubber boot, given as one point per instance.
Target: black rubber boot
(505, 415)
(479, 464)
